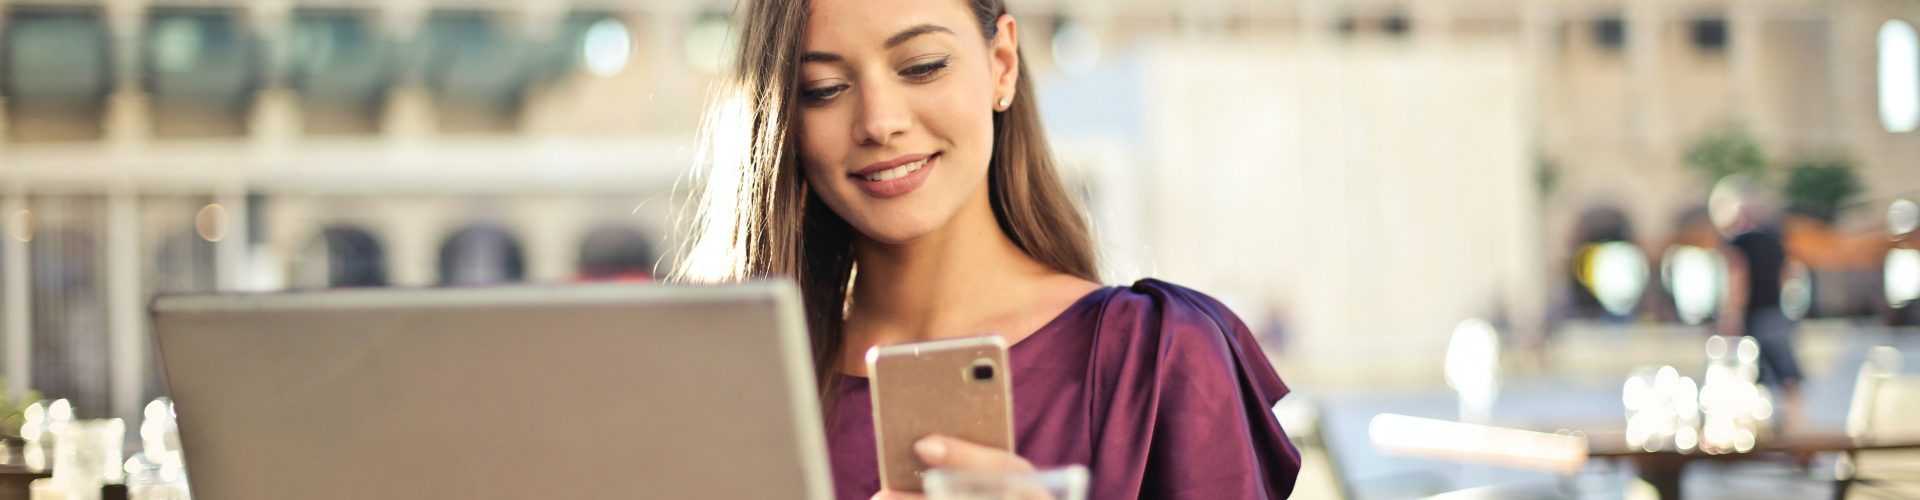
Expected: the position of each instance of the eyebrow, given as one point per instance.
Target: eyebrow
(893, 41)
(923, 29)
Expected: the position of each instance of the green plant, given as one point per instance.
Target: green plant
(1820, 189)
(13, 407)
(1726, 152)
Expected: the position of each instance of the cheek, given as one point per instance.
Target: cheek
(821, 148)
(823, 152)
(961, 116)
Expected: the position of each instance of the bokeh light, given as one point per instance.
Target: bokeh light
(1902, 276)
(1661, 404)
(1731, 402)
(20, 225)
(1695, 277)
(1560, 452)
(1076, 49)
(1899, 76)
(706, 44)
(1882, 362)
(1716, 347)
(1796, 291)
(211, 222)
(1616, 273)
(1902, 216)
(176, 43)
(1473, 368)
(607, 47)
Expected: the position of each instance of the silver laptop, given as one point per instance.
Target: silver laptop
(598, 391)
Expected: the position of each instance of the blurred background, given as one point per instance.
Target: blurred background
(1356, 178)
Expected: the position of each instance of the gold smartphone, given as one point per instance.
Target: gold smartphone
(953, 387)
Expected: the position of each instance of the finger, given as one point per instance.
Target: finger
(941, 451)
(895, 495)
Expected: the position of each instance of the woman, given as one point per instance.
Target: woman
(888, 156)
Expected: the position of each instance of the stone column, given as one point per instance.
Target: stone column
(230, 251)
(667, 23)
(1744, 51)
(1539, 25)
(1645, 21)
(1431, 22)
(413, 231)
(129, 120)
(409, 114)
(1318, 25)
(275, 119)
(1854, 54)
(17, 301)
(549, 229)
(126, 321)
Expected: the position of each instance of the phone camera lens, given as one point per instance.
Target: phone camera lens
(983, 372)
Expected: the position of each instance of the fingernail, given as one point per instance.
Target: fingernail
(930, 449)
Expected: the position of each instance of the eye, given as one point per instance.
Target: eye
(821, 94)
(925, 71)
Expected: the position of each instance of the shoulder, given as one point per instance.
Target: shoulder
(1172, 309)
(1171, 330)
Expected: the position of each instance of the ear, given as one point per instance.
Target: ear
(1005, 53)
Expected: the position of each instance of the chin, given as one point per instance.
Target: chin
(897, 230)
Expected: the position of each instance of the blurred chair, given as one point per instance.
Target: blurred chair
(1885, 403)
(1320, 475)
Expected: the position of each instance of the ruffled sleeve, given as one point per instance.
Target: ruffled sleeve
(1182, 401)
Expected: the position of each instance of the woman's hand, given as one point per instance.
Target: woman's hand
(949, 453)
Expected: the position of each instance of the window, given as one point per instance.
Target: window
(342, 68)
(1710, 34)
(477, 70)
(201, 68)
(616, 253)
(57, 74)
(342, 257)
(480, 255)
(1610, 32)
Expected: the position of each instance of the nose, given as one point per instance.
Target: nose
(882, 116)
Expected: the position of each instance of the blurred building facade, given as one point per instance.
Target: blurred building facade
(1354, 177)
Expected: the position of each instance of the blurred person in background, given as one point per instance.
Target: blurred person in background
(888, 156)
(1756, 263)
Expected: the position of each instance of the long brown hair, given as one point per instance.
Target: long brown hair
(757, 218)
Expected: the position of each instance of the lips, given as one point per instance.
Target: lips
(895, 177)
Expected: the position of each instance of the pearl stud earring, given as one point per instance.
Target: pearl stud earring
(1004, 101)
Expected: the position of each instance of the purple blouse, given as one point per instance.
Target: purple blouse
(1159, 390)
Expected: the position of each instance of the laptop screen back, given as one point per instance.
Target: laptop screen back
(529, 392)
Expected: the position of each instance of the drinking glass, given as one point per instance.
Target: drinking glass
(1064, 483)
(86, 455)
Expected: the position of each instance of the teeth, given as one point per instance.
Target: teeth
(897, 172)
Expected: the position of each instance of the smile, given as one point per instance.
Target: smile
(898, 172)
(895, 177)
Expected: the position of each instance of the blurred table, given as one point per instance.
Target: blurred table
(1661, 468)
(14, 479)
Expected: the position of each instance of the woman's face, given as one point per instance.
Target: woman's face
(896, 108)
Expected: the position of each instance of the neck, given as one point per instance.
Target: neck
(954, 282)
